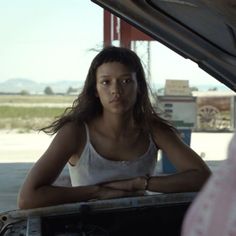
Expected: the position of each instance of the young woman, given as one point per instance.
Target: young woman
(110, 139)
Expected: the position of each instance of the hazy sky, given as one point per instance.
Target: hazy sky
(50, 40)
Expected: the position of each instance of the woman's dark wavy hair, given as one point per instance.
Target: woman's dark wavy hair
(87, 105)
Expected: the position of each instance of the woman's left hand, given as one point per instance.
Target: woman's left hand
(134, 184)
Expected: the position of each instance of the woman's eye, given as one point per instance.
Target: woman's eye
(105, 82)
(126, 81)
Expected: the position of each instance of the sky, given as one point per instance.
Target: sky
(51, 40)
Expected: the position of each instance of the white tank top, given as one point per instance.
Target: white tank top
(92, 168)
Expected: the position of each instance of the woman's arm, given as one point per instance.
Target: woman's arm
(192, 172)
(38, 191)
(139, 184)
(50, 195)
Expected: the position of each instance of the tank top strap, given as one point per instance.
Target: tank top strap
(152, 142)
(87, 133)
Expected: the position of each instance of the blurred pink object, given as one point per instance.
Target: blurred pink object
(213, 212)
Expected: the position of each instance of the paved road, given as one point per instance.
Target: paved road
(18, 152)
(12, 176)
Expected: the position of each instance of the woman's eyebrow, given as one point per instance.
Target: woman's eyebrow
(104, 76)
(108, 76)
(127, 74)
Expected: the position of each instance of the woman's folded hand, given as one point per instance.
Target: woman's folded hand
(134, 184)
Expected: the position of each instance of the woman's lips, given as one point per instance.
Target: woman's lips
(115, 100)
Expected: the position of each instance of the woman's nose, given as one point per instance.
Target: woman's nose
(116, 88)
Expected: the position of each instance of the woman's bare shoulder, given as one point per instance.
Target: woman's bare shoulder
(72, 127)
(72, 133)
(162, 131)
(161, 126)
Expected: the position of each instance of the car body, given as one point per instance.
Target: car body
(201, 30)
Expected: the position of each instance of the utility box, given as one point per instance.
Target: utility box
(182, 112)
(178, 106)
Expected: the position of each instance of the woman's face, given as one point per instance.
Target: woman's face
(116, 87)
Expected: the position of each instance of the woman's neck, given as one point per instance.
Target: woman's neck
(117, 125)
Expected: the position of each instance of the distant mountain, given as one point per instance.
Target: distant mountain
(62, 86)
(19, 84)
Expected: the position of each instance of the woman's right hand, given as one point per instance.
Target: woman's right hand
(130, 185)
(109, 193)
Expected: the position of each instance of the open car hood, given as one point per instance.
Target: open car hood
(201, 30)
(144, 215)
